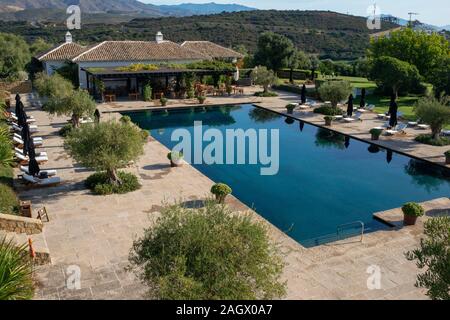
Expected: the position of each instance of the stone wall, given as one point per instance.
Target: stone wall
(21, 87)
(19, 224)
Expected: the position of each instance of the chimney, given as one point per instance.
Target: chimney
(68, 37)
(159, 37)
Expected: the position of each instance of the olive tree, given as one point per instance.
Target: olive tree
(52, 86)
(77, 105)
(434, 256)
(274, 51)
(263, 77)
(435, 112)
(106, 146)
(335, 91)
(14, 55)
(184, 256)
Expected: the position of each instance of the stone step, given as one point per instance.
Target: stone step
(39, 244)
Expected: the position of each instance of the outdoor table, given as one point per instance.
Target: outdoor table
(110, 97)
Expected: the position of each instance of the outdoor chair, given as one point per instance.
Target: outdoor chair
(399, 129)
(14, 118)
(39, 154)
(37, 182)
(16, 127)
(25, 160)
(17, 139)
(50, 173)
(356, 117)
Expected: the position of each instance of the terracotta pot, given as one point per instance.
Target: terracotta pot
(409, 220)
(375, 136)
(328, 122)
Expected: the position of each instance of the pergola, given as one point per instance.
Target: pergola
(130, 84)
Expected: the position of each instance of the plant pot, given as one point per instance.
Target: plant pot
(290, 110)
(409, 220)
(375, 136)
(447, 159)
(328, 122)
(220, 199)
(175, 164)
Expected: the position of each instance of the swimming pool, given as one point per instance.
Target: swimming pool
(325, 179)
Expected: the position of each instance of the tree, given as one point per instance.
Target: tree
(434, 256)
(273, 51)
(54, 86)
(14, 55)
(418, 48)
(39, 46)
(263, 77)
(16, 269)
(106, 146)
(315, 63)
(77, 105)
(441, 78)
(298, 59)
(435, 112)
(393, 73)
(183, 256)
(69, 70)
(335, 91)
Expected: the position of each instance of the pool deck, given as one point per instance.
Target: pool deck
(95, 233)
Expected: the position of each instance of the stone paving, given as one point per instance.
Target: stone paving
(96, 233)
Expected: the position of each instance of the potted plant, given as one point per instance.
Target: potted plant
(376, 133)
(328, 120)
(290, 108)
(163, 101)
(175, 158)
(411, 211)
(201, 99)
(221, 190)
(447, 157)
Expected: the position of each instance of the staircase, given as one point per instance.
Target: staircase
(39, 244)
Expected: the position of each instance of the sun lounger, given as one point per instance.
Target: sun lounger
(445, 133)
(357, 117)
(423, 126)
(50, 173)
(18, 150)
(38, 141)
(15, 119)
(400, 128)
(16, 127)
(13, 114)
(37, 182)
(25, 160)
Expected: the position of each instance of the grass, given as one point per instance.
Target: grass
(356, 82)
(405, 105)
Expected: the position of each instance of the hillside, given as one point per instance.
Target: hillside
(118, 10)
(329, 34)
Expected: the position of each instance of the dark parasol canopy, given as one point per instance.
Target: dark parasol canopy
(303, 94)
(33, 166)
(362, 102)
(347, 142)
(26, 137)
(389, 155)
(393, 110)
(97, 116)
(350, 105)
(302, 125)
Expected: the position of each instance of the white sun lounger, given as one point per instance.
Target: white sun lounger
(38, 154)
(38, 141)
(357, 117)
(50, 173)
(423, 126)
(37, 182)
(33, 128)
(400, 128)
(25, 160)
(29, 120)
(445, 133)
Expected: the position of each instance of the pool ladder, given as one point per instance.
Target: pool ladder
(342, 227)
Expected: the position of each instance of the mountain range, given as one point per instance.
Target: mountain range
(119, 10)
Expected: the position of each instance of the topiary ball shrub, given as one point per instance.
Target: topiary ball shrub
(9, 204)
(328, 111)
(221, 190)
(413, 209)
(100, 184)
(65, 130)
(428, 139)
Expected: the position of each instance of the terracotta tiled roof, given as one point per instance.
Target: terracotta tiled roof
(211, 49)
(138, 51)
(65, 51)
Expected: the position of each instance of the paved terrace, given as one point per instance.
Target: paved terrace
(96, 233)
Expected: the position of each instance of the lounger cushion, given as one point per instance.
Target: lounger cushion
(50, 173)
(41, 182)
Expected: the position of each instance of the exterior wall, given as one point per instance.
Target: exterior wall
(113, 64)
(20, 224)
(51, 66)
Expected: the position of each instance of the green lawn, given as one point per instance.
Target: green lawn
(405, 105)
(356, 82)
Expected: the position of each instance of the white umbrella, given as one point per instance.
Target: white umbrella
(236, 74)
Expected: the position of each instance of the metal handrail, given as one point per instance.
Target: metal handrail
(342, 226)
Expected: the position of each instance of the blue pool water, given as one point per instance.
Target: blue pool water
(325, 179)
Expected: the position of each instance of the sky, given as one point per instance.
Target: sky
(435, 12)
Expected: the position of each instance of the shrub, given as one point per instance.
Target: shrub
(100, 184)
(175, 155)
(191, 94)
(163, 101)
(435, 112)
(145, 134)
(335, 91)
(16, 281)
(428, 139)
(9, 204)
(221, 190)
(263, 77)
(266, 94)
(447, 153)
(434, 256)
(413, 209)
(201, 99)
(65, 130)
(147, 93)
(209, 253)
(125, 119)
(328, 111)
(376, 132)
